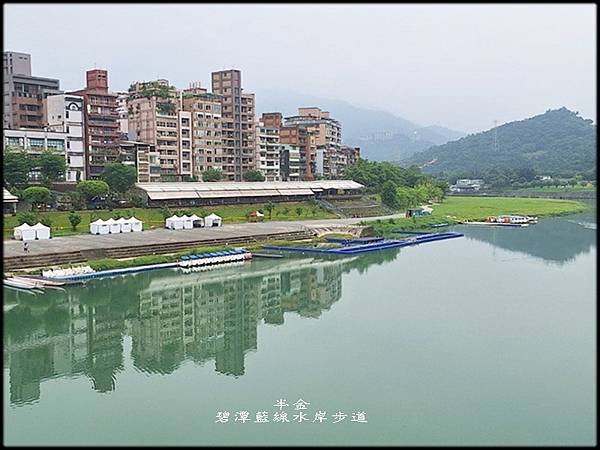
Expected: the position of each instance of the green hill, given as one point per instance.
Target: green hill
(558, 143)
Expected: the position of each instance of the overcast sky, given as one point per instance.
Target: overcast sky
(461, 66)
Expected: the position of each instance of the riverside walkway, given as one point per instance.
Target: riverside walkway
(81, 247)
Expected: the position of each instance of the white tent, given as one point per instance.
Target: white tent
(197, 221)
(41, 231)
(103, 227)
(125, 225)
(174, 223)
(24, 232)
(95, 226)
(114, 226)
(187, 222)
(212, 220)
(136, 225)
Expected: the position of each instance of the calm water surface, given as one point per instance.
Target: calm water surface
(486, 339)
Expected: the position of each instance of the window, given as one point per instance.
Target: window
(36, 142)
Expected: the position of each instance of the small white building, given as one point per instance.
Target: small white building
(42, 232)
(212, 220)
(24, 232)
(136, 224)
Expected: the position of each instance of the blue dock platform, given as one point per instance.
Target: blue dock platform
(381, 244)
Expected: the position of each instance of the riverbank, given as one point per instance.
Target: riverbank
(456, 209)
(153, 218)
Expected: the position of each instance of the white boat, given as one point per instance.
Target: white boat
(12, 282)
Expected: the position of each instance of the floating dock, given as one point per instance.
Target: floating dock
(382, 244)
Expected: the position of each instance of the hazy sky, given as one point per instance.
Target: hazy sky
(461, 66)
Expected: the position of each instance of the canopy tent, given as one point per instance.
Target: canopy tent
(41, 231)
(188, 223)
(114, 226)
(125, 225)
(95, 226)
(24, 232)
(174, 223)
(197, 221)
(212, 220)
(136, 224)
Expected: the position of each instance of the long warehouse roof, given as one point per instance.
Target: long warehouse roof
(159, 191)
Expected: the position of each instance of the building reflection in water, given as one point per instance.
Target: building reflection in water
(171, 318)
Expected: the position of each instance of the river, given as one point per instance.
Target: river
(483, 340)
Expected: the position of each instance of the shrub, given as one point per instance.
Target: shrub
(74, 219)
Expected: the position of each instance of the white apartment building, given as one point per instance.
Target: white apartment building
(268, 152)
(64, 113)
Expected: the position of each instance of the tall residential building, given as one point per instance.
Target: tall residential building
(302, 139)
(64, 112)
(324, 140)
(153, 116)
(238, 120)
(101, 123)
(290, 165)
(268, 149)
(206, 145)
(24, 93)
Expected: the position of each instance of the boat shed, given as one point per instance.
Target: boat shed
(232, 192)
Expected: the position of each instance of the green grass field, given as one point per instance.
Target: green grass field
(152, 217)
(456, 209)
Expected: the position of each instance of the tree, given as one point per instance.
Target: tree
(253, 175)
(388, 194)
(26, 217)
(269, 207)
(46, 220)
(299, 211)
(52, 166)
(37, 196)
(212, 175)
(91, 189)
(16, 166)
(119, 177)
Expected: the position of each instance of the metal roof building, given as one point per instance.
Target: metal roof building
(210, 193)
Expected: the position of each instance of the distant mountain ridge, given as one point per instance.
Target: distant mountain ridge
(558, 142)
(380, 134)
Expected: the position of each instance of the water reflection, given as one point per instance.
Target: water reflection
(171, 318)
(556, 240)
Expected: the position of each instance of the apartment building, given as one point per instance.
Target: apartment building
(238, 123)
(153, 117)
(268, 149)
(290, 164)
(123, 115)
(322, 141)
(24, 93)
(101, 135)
(144, 158)
(298, 137)
(206, 145)
(64, 113)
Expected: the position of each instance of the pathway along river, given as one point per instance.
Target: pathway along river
(487, 339)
